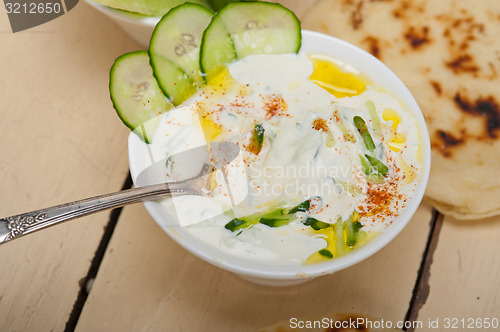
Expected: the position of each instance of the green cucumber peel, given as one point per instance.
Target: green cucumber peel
(240, 29)
(325, 252)
(174, 50)
(357, 226)
(275, 217)
(277, 221)
(302, 207)
(236, 224)
(350, 238)
(377, 165)
(365, 165)
(135, 94)
(257, 139)
(352, 228)
(316, 224)
(373, 168)
(365, 134)
(219, 4)
(217, 48)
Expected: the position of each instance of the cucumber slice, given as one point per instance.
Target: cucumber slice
(174, 50)
(217, 48)
(246, 28)
(218, 4)
(148, 7)
(135, 93)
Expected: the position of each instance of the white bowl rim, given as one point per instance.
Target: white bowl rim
(267, 271)
(123, 15)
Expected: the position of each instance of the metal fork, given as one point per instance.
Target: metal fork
(16, 226)
(217, 157)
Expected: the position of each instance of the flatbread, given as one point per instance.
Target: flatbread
(337, 322)
(448, 54)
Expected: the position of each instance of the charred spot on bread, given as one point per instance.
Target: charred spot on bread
(487, 107)
(373, 46)
(445, 141)
(463, 63)
(436, 86)
(417, 37)
(460, 33)
(357, 16)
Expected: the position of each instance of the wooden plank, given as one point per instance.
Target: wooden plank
(464, 274)
(60, 141)
(148, 282)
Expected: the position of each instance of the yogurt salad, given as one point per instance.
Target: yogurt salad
(328, 158)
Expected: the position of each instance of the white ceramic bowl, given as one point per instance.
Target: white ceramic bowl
(138, 27)
(286, 275)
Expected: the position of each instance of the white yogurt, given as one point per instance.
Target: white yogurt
(296, 161)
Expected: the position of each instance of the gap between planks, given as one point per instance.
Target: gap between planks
(419, 295)
(422, 288)
(95, 264)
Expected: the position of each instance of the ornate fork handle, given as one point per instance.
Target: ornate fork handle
(22, 224)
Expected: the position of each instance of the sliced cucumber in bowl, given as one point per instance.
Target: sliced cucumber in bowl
(135, 93)
(217, 48)
(246, 28)
(187, 47)
(174, 50)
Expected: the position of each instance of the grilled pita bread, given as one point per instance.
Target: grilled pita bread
(448, 54)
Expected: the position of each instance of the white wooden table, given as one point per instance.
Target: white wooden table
(60, 140)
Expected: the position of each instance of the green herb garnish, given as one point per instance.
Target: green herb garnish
(325, 252)
(303, 207)
(235, 224)
(377, 165)
(257, 139)
(352, 227)
(273, 218)
(277, 221)
(365, 134)
(316, 224)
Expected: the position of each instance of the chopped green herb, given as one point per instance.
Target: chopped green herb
(365, 165)
(365, 134)
(350, 238)
(278, 221)
(257, 139)
(235, 224)
(374, 168)
(273, 218)
(316, 224)
(352, 227)
(377, 165)
(325, 252)
(303, 207)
